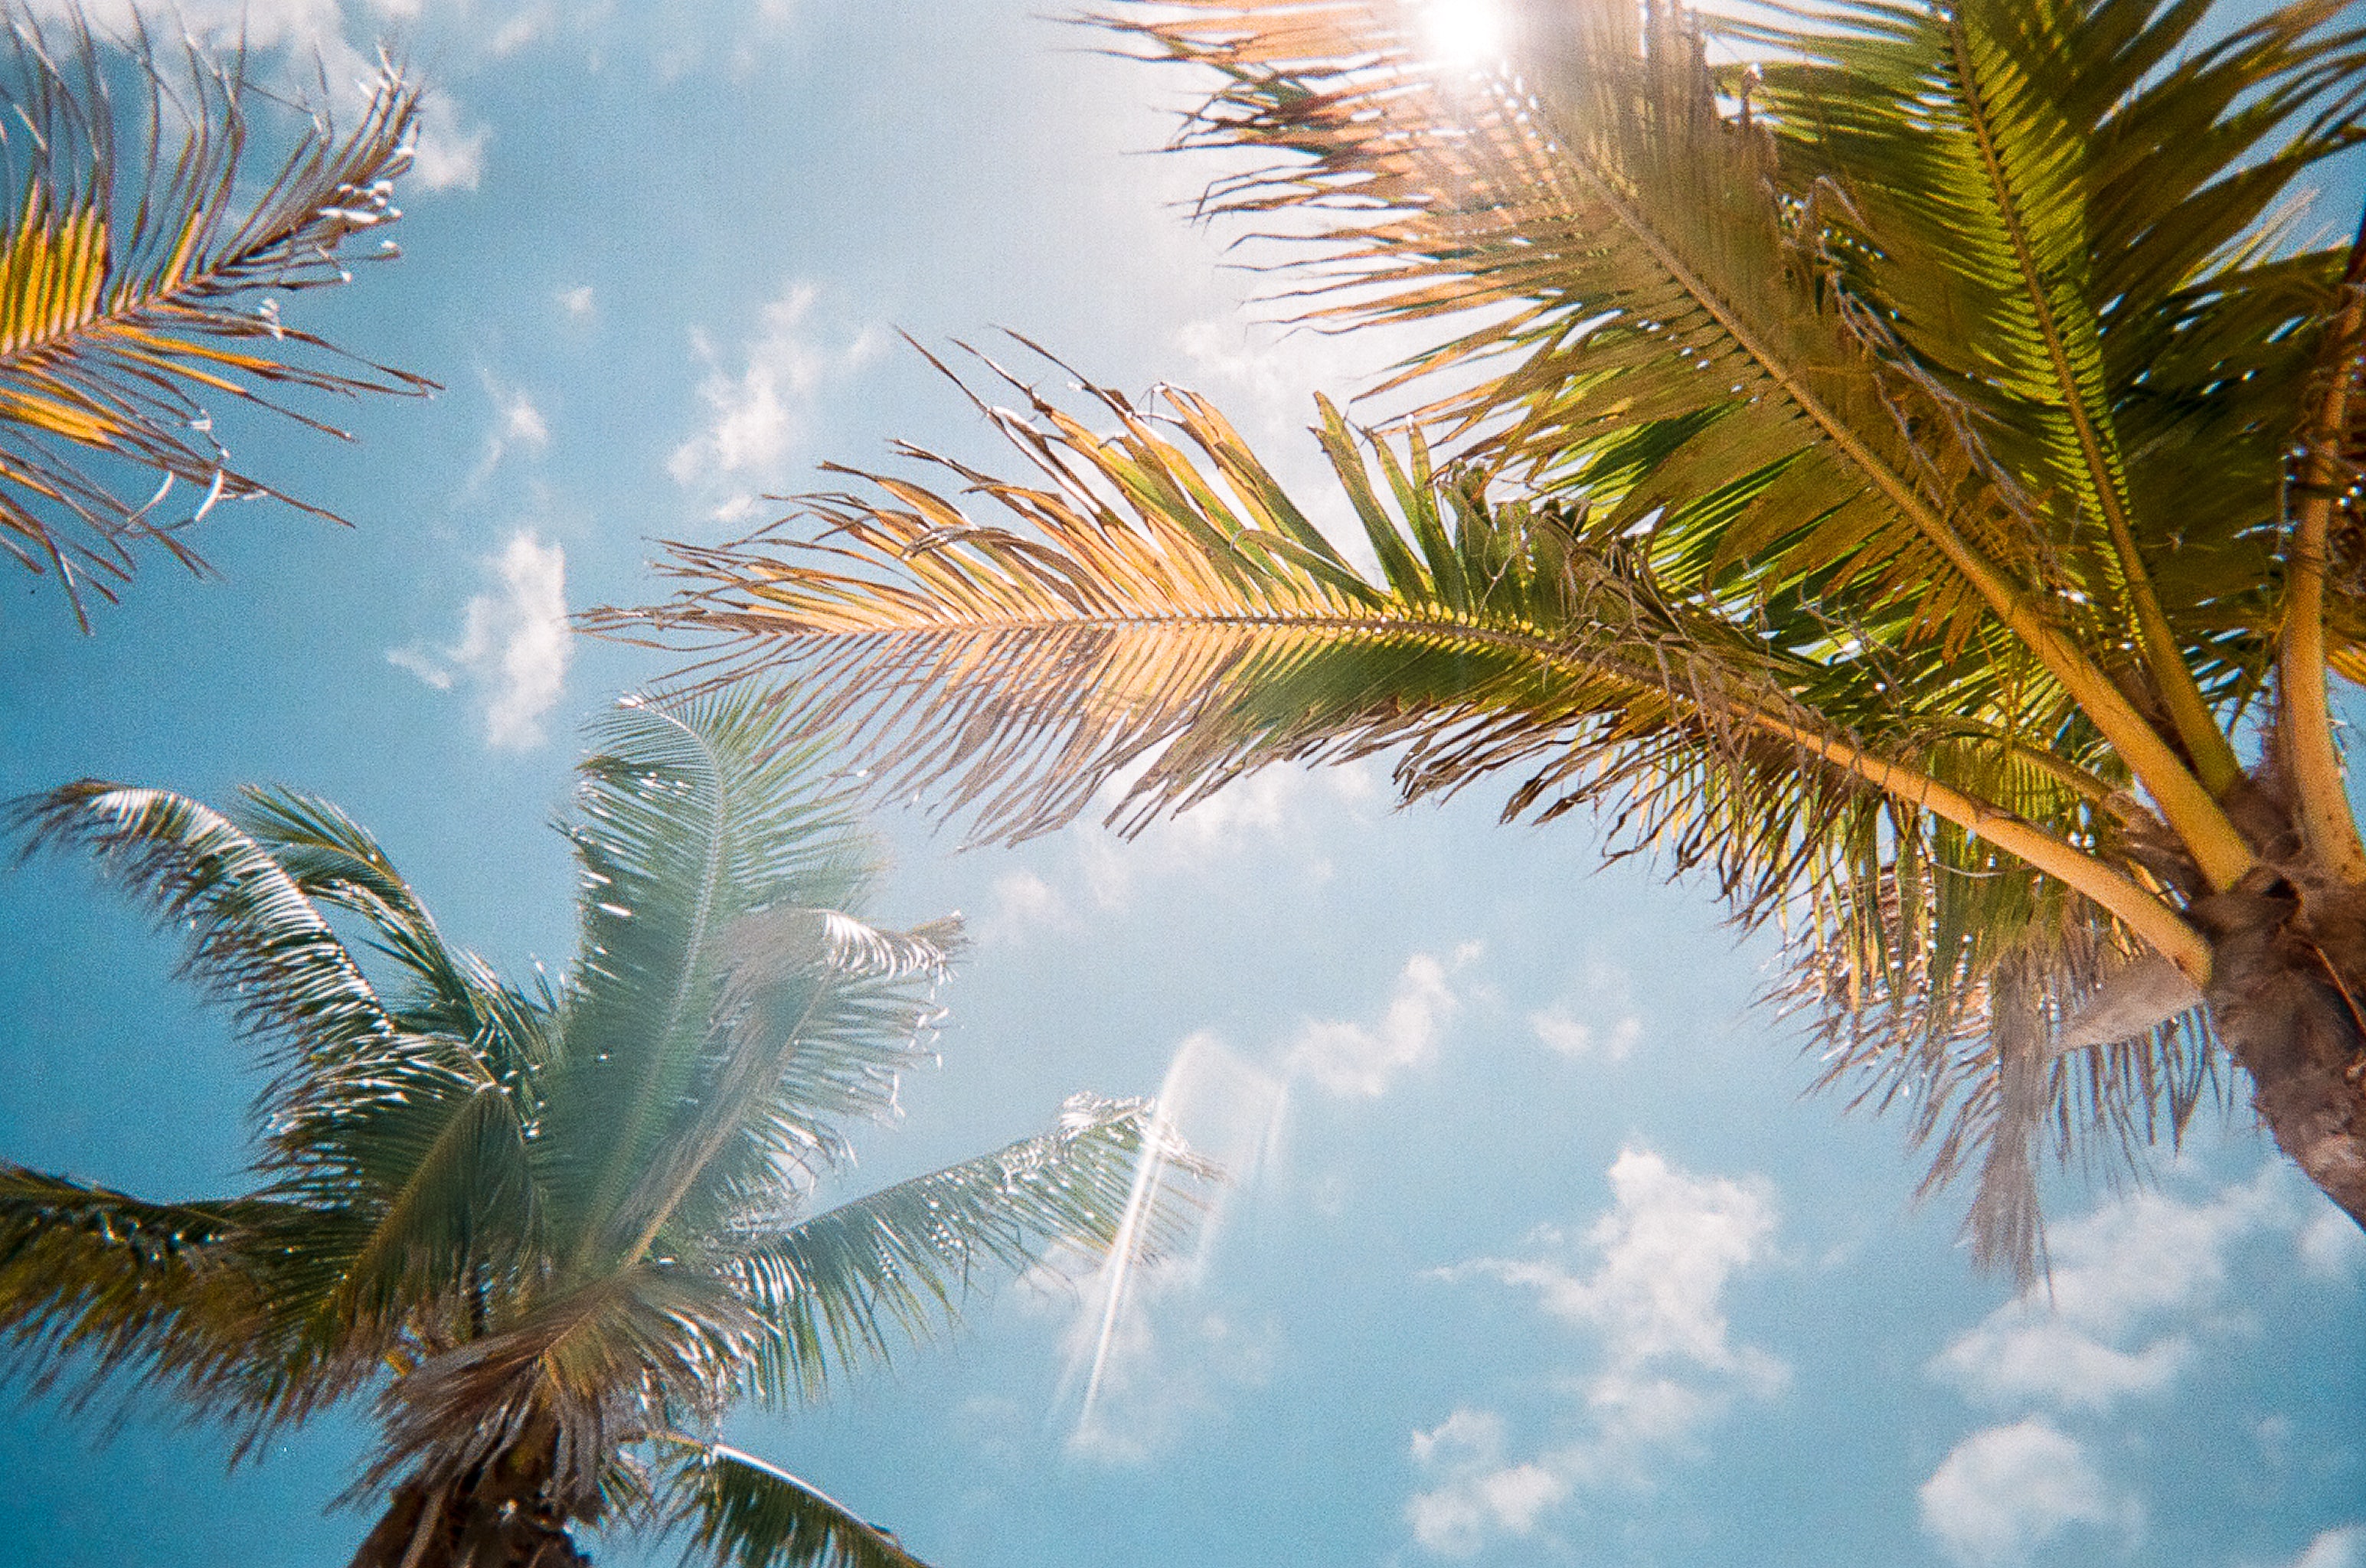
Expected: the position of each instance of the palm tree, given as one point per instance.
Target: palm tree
(141, 263)
(1910, 477)
(555, 1230)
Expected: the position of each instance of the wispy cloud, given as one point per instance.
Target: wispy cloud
(2130, 1285)
(1652, 1302)
(1350, 1058)
(446, 153)
(514, 648)
(757, 396)
(2005, 1491)
(516, 426)
(2341, 1547)
(577, 301)
(1601, 1021)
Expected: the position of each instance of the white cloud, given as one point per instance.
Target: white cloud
(1361, 1059)
(577, 302)
(447, 156)
(2342, 1547)
(518, 424)
(1653, 1301)
(1562, 1031)
(1667, 1249)
(521, 28)
(1023, 902)
(514, 644)
(1482, 1495)
(523, 422)
(2129, 1285)
(2006, 1490)
(757, 407)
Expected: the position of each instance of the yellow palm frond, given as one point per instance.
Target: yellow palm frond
(140, 290)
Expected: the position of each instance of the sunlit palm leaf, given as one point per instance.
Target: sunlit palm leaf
(742, 1511)
(140, 273)
(1162, 608)
(1890, 337)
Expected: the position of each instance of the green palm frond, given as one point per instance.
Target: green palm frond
(816, 1014)
(255, 943)
(337, 864)
(548, 1228)
(745, 1512)
(848, 1282)
(141, 264)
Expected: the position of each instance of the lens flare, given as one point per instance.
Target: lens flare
(1222, 1107)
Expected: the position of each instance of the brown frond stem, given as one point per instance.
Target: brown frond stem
(2213, 756)
(2305, 721)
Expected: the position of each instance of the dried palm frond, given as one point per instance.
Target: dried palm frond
(142, 264)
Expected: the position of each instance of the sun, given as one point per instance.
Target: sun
(1465, 32)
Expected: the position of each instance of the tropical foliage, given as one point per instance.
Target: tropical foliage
(554, 1231)
(141, 266)
(1900, 460)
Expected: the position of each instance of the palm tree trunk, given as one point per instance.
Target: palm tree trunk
(491, 1518)
(2288, 976)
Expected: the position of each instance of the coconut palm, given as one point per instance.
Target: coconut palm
(554, 1231)
(1900, 460)
(142, 261)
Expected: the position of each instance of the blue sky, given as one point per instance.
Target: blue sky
(1534, 1253)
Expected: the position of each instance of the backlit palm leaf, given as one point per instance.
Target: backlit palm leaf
(141, 270)
(742, 1511)
(1160, 608)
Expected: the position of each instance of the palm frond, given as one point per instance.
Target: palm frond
(122, 1288)
(140, 284)
(336, 863)
(1717, 318)
(691, 820)
(851, 1281)
(743, 1511)
(1161, 606)
(405, 1145)
(255, 943)
(570, 1382)
(817, 1012)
